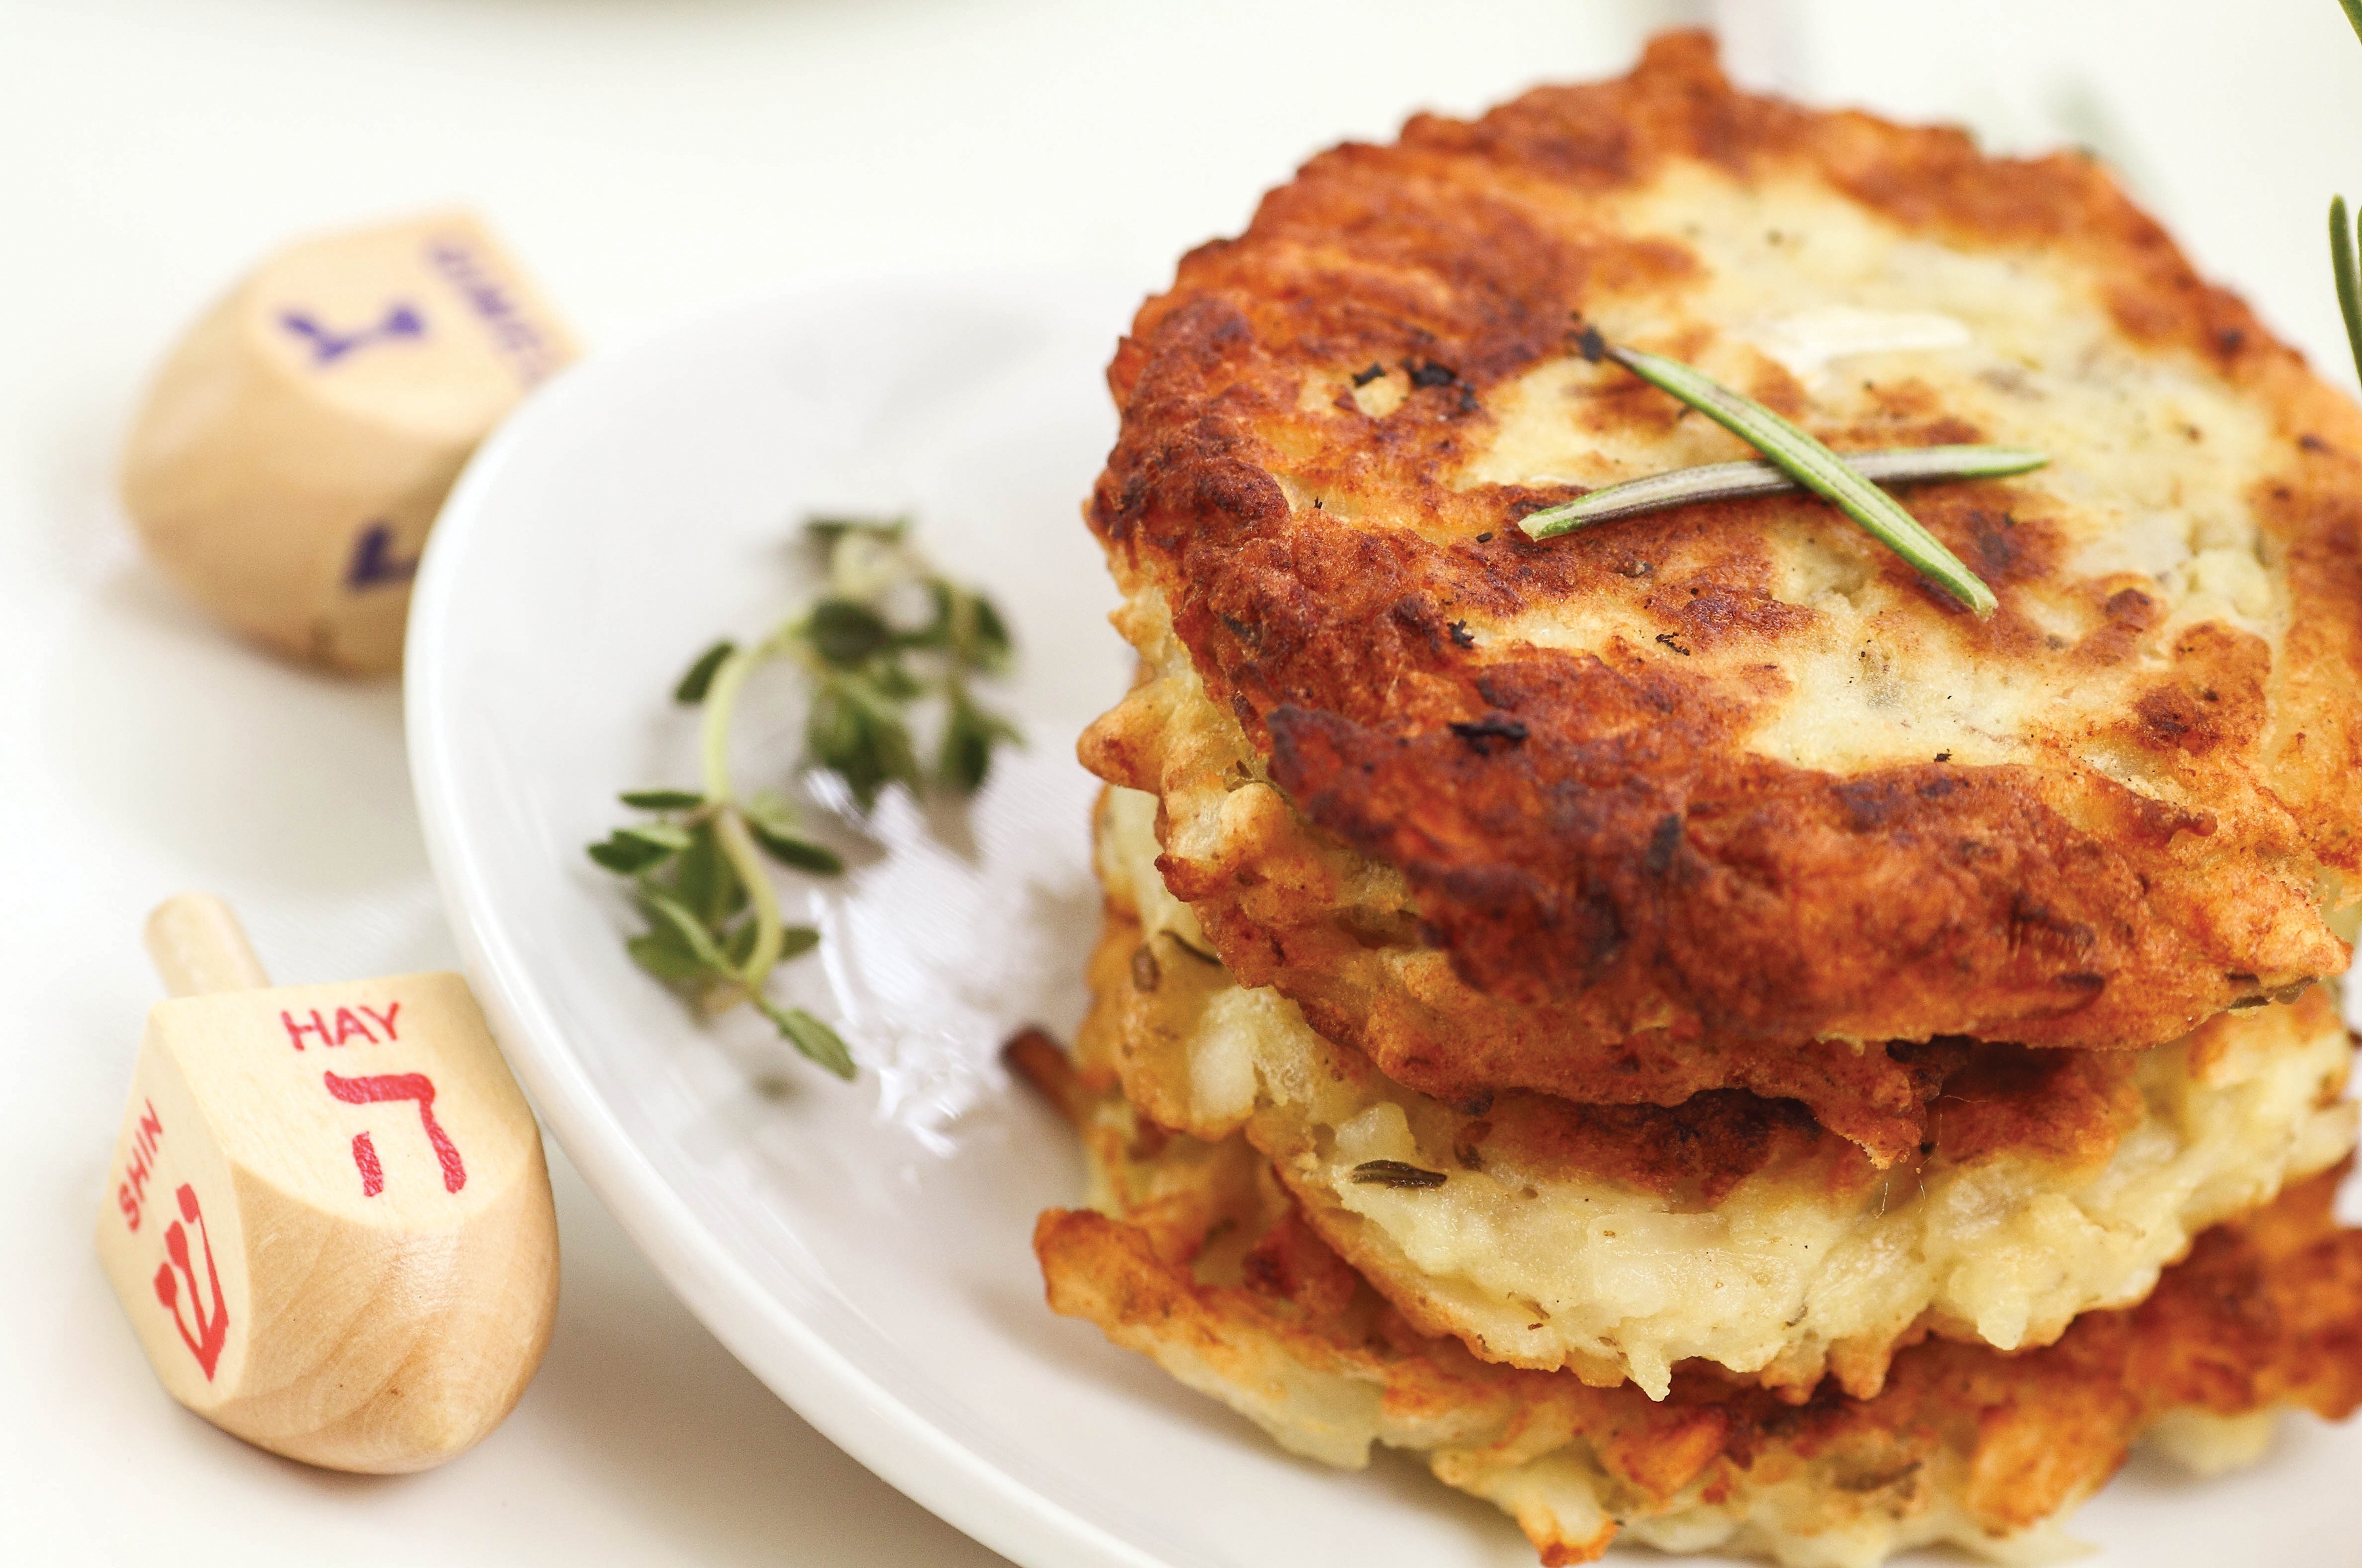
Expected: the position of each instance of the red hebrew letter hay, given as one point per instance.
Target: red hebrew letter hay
(211, 1331)
(398, 1085)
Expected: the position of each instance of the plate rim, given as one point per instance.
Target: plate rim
(791, 1358)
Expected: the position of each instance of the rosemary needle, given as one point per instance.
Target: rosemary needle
(2341, 246)
(2350, 287)
(1813, 466)
(1733, 481)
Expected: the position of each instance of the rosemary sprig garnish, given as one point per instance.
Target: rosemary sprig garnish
(1806, 461)
(1733, 481)
(715, 931)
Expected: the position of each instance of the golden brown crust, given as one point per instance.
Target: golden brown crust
(1963, 1234)
(1614, 877)
(2263, 1313)
(1971, 1100)
(1275, 905)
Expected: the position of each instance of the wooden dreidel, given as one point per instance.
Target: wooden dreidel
(296, 447)
(328, 1217)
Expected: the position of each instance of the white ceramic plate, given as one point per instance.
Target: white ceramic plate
(865, 1250)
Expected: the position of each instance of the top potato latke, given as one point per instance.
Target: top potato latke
(1729, 773)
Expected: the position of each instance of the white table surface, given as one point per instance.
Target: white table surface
(648, 157)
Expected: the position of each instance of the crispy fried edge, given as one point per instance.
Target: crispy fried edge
(2067, 1109)
(2264, 1313)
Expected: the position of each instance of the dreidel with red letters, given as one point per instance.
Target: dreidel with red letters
(328, 1216)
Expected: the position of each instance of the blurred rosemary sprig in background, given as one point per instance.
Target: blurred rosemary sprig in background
(890, 635)
(2341, 242)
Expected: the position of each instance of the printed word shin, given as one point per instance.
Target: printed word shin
(131, 1193)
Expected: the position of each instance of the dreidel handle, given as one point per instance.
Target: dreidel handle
(200, 948)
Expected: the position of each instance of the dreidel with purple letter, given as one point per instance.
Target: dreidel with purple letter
(328, 1216)
(296, 446)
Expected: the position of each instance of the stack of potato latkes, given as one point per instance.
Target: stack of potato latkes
(1682, 1024)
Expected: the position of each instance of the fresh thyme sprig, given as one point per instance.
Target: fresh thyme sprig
(715, 931)
(1806, 461)
(867, 671)
(1733, 481)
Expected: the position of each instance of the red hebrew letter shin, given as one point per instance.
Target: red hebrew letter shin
(212, 1330)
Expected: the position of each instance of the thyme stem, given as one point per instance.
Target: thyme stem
(721, 704)
(770, 932)
(729, 820)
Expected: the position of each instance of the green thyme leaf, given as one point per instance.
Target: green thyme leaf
(857, 733)
(795, 941)
(846, 635)
(626, 855)
(663, 836)
(789, 850)
(816, 1040)
(703, 880)
(969, 734)
(692, 686)
(663, 954)
(991, 648)
(890, 685)
(672, 915)
(965, 625)
(1815, 467)
(662, 799)
(1733, 481)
